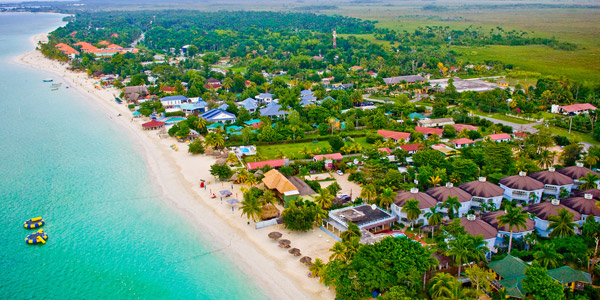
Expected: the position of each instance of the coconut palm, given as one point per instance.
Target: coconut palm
(435, 180)
(453, 206)
(252, 208)
(352, 232)
(317, 269)
(515, 219)
(251, 180)
(227, 83)
(412, 210)
(547, 256)
(465, 248)
(530, 240)
(214, 140)
(533, 197)
(338, 251)
(546, 159)
(369, 192)
(324, 199)
(320, 215)
(267, 197)
(387, 198)
(591, 160)
(562, 225)
(589, 181)
(434, 217)
(200, 124)
(231, 158)
(441, 286)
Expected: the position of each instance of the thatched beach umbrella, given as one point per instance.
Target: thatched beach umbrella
(285, 243)
(275, 235)
(306, 260)
(269, 211)
(220, 161)
(295, 251)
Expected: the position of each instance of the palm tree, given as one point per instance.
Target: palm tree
(352, 232)
(338, 251)
(267, 197)
(546, 159)
(200, 124)
(324, 199)
(251, 180)
(227, 83)
(591, 160)
(442, 285)
(465, 248)
(387, 198)
(320, 215)
(589, 181)
(412, 210)
(252, 208)
(231, 158)
(453, 206)
(434, 217)
(547, 256)
(562, 225)
(369, 192)
(514, 218)
(435, 180)
(317, 269)
(214, 140)
(533, 197)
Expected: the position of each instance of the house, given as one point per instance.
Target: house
(194, 108)
(172, 103)
(584, 205)
(461, 143)
(134, 93)
(215, 127)
(502, 83)
(553, 181)
(373, 74)
(441, 194)
(306, 93)
(429, 131)
(329, 159)
(366, 217)
(264, 97)
(461, 127)
(425, 203)
(327, 80)
(435, 122)
(522, 188)
(395, 135)
(475, 226)
(542, 212)
(447, 151)
(305, 102)
(415, 115)
(408, 79)
(411, 148)
(167, 89)
(272, 110)
(520, 135)
(504, 231)
(249, 104)
(483, 193)
(275, 163)
(499, 137)
(153, 125)
(573, 109)
(217, 115)
(510, 271)
(576, 172)
(66, 49)
(356, 68)
(255, 123)
(282, 186)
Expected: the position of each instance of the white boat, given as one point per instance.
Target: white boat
(55, 85)
(48, 80)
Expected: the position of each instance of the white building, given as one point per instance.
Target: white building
(522, 188)
(553, 182)
(441, 194)
(483, 193)
(425, 203)
(544, 210)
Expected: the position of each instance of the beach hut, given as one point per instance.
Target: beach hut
(269, 211)
(153, 125)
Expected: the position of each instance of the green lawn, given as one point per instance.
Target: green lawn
(584, 137)
(293, 150)
(502, 117)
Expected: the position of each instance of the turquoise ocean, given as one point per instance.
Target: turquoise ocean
(111, 234)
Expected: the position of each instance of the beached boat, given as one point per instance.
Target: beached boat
(55, 85)
(34, 223)
(38, 237)
(54, 89)
(118, 100)
(47, 80)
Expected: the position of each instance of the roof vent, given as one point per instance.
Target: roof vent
(522, 174)
(555, 202)
(482, 179)
(588, 196)
(471, 217)
(551, 169)
(414, 190)
(579, 164)
(449, 184)
(373, 206)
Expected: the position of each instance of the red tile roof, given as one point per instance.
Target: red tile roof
(577, 107)
(396, 135)
(334, 156)
(153, 124)
(114, 46)
(104, 43)
(275, 163)
(426, 130)
(463, 141)
(521, 134)
(85, 46)
(168, 89)
(411, 147)
(66, 49)
(499, 136)
(385, 150)
(461, 127)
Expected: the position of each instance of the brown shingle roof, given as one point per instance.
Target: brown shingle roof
(594, 192)
(482, 188)
(492, 219)
(522, 182)
(442, 193)
(582, 205)
(576, 172)
(552, 177)
(425, 201)
(543, 210)
(303, 188)
(478, 227)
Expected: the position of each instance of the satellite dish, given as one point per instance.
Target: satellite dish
(373, 206)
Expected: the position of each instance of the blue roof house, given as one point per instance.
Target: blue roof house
(249, 104)
(173, 100)
(195, 108)
(223, 106)
(217, 115)
(306, 93)
(264, 97)
(273, 110)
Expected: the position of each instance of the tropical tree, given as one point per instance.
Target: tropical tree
(540, 286)
(589, 181)
(387, 198)
(352, 232)
(546, 159)
(435, 180)
(533, 197)
(591, 160)
(324, 199)
(214, 140)
(515, 219)
(412, 210)
(231, 158)
(465, 248)
(547, 256)
(268, 197)
(317, 269)
(252, 208)
(453, 206)
(338, 251)
(369, 192)
(441, 285)
(481, 278)
(562, 225)
(227, 83)
(434, 217)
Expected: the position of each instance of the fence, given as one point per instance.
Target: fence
(266, 223)
(524, 118)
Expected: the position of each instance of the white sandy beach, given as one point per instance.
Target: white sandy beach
(178, 173)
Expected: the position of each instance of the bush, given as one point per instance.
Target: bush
(373, 137)
(196, 147)
(174, 114)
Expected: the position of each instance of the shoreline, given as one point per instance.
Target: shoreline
(177, 173)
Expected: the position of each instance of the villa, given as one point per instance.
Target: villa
(586, 206)
(273, 110)
(462, 143)
(484, 193)
(217, 115)
(435, 122)
(499, 137)
(426, 131)
(282, 187)
(173, 101)
(461, 127)
(573, 109)
(577, 172)
(425, 202)
(544, 210)
(553, 182)
(503, 231)
(395, 135)
(475, 226)
(249, 104)
(195, 108)
(522, 188)
(447, 151)
(442, 193)
(366, 217)
(411, 148)
(153, 125)
(264, 97)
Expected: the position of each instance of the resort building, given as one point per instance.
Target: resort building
(134, 93)
(594, 192)
(576, 172)
(282, 187)
(194, 108)
(217, 115)
(441, 194)
(483, 193)
(553, 182)
(499, 137)
(584, 205)
(446, 150)
(255, 123)
(153, 125)
(264, 98)
(273, 110)
(66, 49)
(429, 131)
(435, 122)
(411, 148)
(522, 188)
(425, 202)
(475, 227)
(329, 159)
(395, 135)
(462, 143)
(573, 109)
(518, 233)
(249, 104)
(173, 101)
(544, 210)
(366, 217)
(461, 127)
(275, 163)
(403, 80)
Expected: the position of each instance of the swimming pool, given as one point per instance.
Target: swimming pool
(398, 234)
(173, 120)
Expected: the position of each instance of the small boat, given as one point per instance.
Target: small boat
(34, 223)
(118, 100)
(55, 85)
(47, 80)
(54, 89)
(38, 237)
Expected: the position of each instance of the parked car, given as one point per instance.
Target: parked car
(339, 172)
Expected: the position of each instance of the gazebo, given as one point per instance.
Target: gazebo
(153, 125)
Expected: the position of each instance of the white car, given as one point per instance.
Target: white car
(339, 172)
